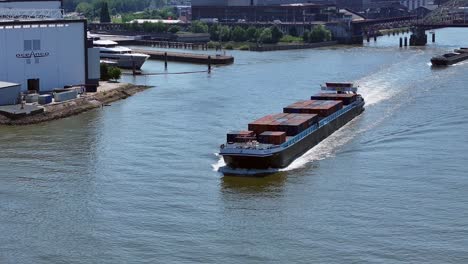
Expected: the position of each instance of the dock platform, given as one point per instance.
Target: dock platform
(15, 111)
(187, 57)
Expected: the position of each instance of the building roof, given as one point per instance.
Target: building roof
(14, 1)
(355, 16)
(7, 84)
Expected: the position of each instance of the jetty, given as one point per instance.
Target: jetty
(106, 93)
(188, 57)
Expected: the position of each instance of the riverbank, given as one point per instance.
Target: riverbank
(293, 46)
(249, 46)
(107, 93)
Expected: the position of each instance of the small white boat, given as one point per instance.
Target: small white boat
(122, 56)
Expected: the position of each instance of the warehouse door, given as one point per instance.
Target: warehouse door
(33, 85)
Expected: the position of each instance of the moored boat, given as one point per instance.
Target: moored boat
(275, 141)
(124, 57)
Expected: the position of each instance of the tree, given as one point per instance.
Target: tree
(306, 35)
(276, 34)
(104, 72)
(174, 29)
(114, 73)
(224, 33)
(293, 32)
(85, 8)
(214, 32)
(319, 33)
(105, 16)
(251, 33)
(238, 34)
(266, 36)
(135, 27)
(199, 27)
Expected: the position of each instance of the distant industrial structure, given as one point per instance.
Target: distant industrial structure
(301, 10)
(262, 10)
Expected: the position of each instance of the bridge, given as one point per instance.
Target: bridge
(451, 14)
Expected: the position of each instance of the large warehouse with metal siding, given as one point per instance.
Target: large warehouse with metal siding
(31, 4)
(48, 53)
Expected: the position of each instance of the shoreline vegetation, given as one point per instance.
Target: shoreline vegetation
(236, 34)
(107, 93)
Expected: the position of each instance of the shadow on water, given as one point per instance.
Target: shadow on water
(264, 182)
(254, 183)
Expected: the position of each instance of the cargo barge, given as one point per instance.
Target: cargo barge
(275, 141)
(450, 58)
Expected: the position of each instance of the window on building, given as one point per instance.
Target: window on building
(27, 45)
(36, 44)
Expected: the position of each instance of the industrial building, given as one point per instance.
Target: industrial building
(31, 4)
(262, 10)
(40, 51)
(43, 55)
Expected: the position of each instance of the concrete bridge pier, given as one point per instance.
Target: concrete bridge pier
(418, 37)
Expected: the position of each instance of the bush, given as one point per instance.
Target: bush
(214, 32)
(319, 33)
(244, 47)
(174, 29)
(251, 33)
(276, 34)
(239, 34)
(114, 73)
(229, 46)
(213, 45)
(199, 27)
(293, 32)
(306, 36)
(266, 36)
(104, 72)
(224, 33)
(291, 39)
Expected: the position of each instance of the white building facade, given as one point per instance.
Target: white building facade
(52, 53)
(30, 4)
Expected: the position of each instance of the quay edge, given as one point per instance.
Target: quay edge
(112, 93)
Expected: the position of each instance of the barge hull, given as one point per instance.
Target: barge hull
(285, 157)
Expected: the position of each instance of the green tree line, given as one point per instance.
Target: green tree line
(269, 35)
(262, 35)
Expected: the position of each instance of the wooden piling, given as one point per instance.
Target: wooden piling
(209, 64)
(406, 41)
(433, 36)
(401, 42)
(165, 60)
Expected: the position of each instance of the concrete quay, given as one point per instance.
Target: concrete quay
(107, 93)
(187, 57)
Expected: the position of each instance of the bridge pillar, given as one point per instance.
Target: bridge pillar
(418, 37)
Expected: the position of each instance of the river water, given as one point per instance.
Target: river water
(138, 182)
